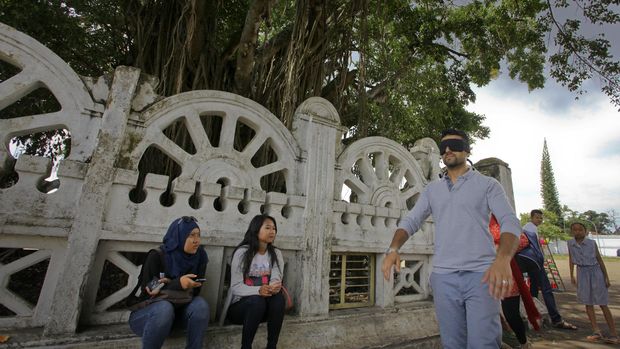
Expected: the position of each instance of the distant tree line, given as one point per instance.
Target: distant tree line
(554, 228)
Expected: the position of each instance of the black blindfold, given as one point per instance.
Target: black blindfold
(454, 144)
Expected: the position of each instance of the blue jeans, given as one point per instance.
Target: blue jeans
(468, 316)
(154, 322)
(539, 279)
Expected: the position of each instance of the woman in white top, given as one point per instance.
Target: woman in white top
(256, 282)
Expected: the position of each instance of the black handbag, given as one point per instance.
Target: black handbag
(177, 297)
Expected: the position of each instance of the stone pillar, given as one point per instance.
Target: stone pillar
(317, 128)
(84, 235)
(496, 168)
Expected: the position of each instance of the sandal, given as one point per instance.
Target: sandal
(565, 325)
(595, 337)
(612, 340)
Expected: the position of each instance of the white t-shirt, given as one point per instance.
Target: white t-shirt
(531, 227)
(261, 265)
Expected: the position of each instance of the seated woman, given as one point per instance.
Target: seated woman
(256, 280)
(177, 267)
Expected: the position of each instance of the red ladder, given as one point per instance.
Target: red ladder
(552, 270)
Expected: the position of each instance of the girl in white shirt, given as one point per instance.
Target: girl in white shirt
(256, 282)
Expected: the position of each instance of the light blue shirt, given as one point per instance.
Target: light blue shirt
(531, 227)
(461, 212)
(583, 254)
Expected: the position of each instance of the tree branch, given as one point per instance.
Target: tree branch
(257, 10)
(280, 41)
(574, 50)
(377, 91)
(451, 51)
(196, 26)
(336, 85)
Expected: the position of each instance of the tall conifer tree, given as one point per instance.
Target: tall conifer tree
(548, 190)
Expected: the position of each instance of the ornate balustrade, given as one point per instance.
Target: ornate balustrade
(80, 245)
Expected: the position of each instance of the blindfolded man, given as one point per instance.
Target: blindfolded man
(469, 277)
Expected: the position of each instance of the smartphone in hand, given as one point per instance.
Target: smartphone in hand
(200, 280)
(154, 285)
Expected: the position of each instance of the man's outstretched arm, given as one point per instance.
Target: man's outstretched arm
(393, 258)
(499, 274)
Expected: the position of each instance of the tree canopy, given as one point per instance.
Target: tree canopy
(402, 69)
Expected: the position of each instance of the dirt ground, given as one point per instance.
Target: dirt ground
(574, 312)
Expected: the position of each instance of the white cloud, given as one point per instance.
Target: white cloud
(580, 143)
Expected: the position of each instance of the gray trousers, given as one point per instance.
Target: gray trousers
(468, 316)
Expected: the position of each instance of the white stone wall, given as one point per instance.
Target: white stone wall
(608, 245)
(91, 219)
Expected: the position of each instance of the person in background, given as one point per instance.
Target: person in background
(511, 304)
(176, 265)
(531, 260)
(256, 282)
(592, 281)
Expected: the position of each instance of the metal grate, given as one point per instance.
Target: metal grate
(356, 272)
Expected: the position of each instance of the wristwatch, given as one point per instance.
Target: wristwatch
(390, 250)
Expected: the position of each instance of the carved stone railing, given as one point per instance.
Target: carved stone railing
(83, 241)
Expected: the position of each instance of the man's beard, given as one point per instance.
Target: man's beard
(455, 163)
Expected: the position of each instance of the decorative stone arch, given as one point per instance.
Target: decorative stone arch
(385, 180)
(387, 174)
(212, 162)
(321, 108)
(41, 68)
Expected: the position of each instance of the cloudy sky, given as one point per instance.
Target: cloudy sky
(583, 135)
(583, 138)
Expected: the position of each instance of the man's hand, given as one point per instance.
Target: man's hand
(573, 280)
(499, 278)
(392, 259)
(499, 274)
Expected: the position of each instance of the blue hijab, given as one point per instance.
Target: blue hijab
(179, 263)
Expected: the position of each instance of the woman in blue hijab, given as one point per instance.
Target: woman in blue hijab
(170, 283)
